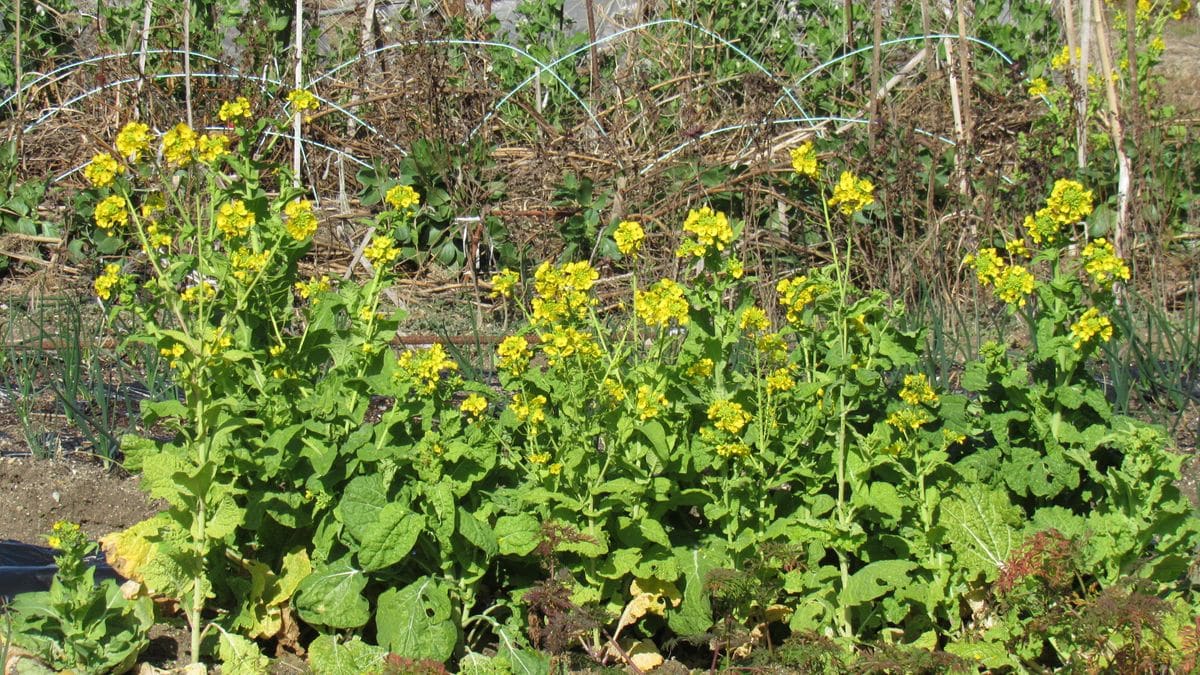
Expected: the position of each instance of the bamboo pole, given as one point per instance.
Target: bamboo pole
(1135, 100)
(876, 66)
(143, 50)
(593, 67)
(297, 83)
(964, 65)
(17, 66)
(956, 111)
(1081, 78)
(1121, 228)
(187, 61)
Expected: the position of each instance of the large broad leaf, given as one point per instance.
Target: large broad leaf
(694, 615)
(518, 535)
(980, 525)
(416, 621)
(327, 656)
(332, 596)
(240, 656)
(390, 538)
(520, 659)
(477, 532)
(225, 520)
(874, 580)
(361, 503)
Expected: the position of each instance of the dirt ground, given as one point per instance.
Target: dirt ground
(34, 493)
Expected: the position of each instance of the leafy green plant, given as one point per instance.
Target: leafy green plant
(78, 624)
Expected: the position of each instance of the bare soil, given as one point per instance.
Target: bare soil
(35, 493)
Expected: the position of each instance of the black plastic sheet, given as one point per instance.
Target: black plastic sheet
(27, 567)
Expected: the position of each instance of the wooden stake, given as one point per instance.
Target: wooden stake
(1121, 228)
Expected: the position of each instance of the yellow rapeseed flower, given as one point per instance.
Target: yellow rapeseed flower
(111, 212)
(1016, 248)
(1038, 87)
(514, 355)
(852, 194)
(1069, 202)
(562, 293)
(503, 283)
(312, 288)
(382, 251)
(728, 416)
(102, 169)
(300, 221)
(133, 140)
(234, 220)
(174, 353)
(700, 370)
(1042, 227)
(1090, 325)
(988, 265)
(614, 390)
(781, 379)
(200, 292)
(663, 303)
(402, 198)
(1102, 264)
(106, 282)
(709, 229)
(1063, 59)
(302, 99)
(564, 342)
(798, 293)
(474, 405)
(1014, 284)
(909, 418)
(235, 111)
(425, 366)
(804, 160)
(247, 264)
(531, 410)
(917, 390)
(753, 320)
(178, 144)
(629, 236)
(772, 346)
(650, 402)
(732, 449)
(211, 147)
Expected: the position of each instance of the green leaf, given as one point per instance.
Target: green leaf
(518, 535)
(657, 435)
(225, 520)
(694, 616)
(416, 621)
(332, 597)
(521, 660)
(363, 499)
(328, 656)
(874, 580)
(440, 500)
(389, 539)
(980, 524)
(477, 532)
(988, 654)
(240, 656)
(620, 563)
(654, 532)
